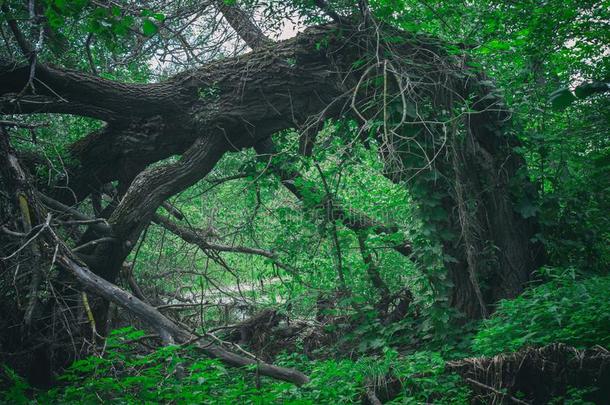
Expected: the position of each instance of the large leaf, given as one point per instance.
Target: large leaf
(149, 28)
(589, 89)
(562, 98)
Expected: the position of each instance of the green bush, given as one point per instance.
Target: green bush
(565, 309)
(125, 375)
(426, 381)
(13, 388)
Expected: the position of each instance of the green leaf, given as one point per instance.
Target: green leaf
(149, 28)
(589, 89)
(561, 98)
(494, 45)
(498, 45)
(60, 4)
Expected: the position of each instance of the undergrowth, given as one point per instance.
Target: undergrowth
(181, 375)
(565, 309)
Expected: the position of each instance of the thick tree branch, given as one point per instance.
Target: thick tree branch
(243, 24)
(34, 104)
(23, 44)
(153, 186)
(199, 238)
(64, 86)
(242, 99)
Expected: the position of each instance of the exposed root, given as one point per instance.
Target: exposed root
(536, 375)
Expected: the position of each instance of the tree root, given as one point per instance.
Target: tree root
(537, 374)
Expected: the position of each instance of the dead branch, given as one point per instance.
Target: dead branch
(168, 330)
(243, 24)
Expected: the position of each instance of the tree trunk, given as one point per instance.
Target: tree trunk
(489, 248)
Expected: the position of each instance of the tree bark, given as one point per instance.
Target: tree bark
(243, 24)
(492, 251)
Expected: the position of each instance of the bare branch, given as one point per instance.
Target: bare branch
(94, 243)
(243, 24)
(167, 329)
(326, 9)
(198, 238)
(15, 124)
(99, 225)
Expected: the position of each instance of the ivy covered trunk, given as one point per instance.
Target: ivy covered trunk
(496, 249)
(472, 201)
(458, 157)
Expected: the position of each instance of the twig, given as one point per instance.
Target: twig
(23, 125)
(492, 389)
(85, 221)
(89, 56)
(89, 314)
(173, 210)
(42, 228)
(94, 243)
(13, 233)
(334, 227)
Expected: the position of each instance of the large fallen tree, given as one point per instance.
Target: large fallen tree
(438, 121)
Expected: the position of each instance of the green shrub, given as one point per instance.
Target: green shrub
(566, 309)
(425, 381)
(180, 375)
(17, 387)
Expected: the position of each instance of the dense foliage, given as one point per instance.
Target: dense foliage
(565, 309)
(348, 308)
(175, 374)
